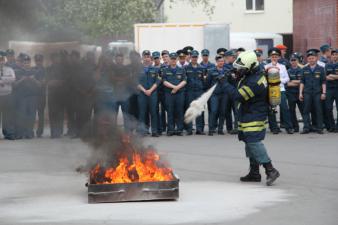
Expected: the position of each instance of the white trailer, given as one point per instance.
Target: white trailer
(174, 36)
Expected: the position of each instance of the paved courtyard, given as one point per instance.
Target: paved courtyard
(39, 184)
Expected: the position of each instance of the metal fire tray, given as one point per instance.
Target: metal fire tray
(137, 191)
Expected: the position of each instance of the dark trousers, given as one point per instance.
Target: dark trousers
(41, 104)
(231, 108)
(148, 105)
(162, 121)
(217, 107)
(284, 109)
(175, 110)
(7, 116)
(26, 113)
(56, 109)
(293, 100)
(312, 100)
(125, 110)
(331, 96)
(83, 112)
(191, 96)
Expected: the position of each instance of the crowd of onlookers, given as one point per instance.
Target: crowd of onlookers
(154, 90)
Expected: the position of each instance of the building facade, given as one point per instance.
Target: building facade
(315, 22)
(243, 16)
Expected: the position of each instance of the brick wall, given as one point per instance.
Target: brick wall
(315, 22)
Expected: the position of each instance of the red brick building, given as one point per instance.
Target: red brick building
(315, 22)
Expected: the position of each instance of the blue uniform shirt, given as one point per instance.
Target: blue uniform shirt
(313, 79)
(174, 76)
(213, 74)
(331, 68)
(195, 78)
(149, 77)
(294, 74)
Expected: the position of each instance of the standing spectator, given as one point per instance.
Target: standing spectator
(56, 96)
(7, 78)
(312, 91)
(40, 75)
(292, 91)
(27, 90)
(147, 98)
(122, 89)
(275, 54)
(332, 90)
(174, 80)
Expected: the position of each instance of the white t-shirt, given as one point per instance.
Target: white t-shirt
(7, 77)
(283, 73)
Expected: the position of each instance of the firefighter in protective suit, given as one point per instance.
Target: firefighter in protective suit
(252, 94)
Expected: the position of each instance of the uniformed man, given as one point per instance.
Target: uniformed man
(188, 50)
(122, 89)
(196, 84)
(325, 55)
(323, 60)
(182, 58)
(259, 54)
(283, 60)
(147, 98)
(253, 112)
(10, 56)
(174, 80)
(27, 91)
(205, 63)
(134, 71)
(56, 95)
(40, 75)
(312, 90)
(292, 90)
(275, 54)
(7, 78)
(230, 105)
(161, 94)
(332, 90)
(217, 99)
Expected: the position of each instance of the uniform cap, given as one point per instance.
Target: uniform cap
(324, 47)
(173, 55)
(240, 49)
(230, 53)
(165, 52)
(194, 53)
(146, 52)
(274, 51)
(181, 53)
(2, 54)
(10, 52)
(188, 49)
(156, 55)
(259, 52)
(221, 51)
(217, 57)
(312, 52)
(205, 52)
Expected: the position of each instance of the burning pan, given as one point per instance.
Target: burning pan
(136, 191)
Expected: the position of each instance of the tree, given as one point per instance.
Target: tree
(88, 20)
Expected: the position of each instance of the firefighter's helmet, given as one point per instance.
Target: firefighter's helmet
(246, 60)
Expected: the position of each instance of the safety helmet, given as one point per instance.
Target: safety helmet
(246, 60)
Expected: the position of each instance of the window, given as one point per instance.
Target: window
(255, 5)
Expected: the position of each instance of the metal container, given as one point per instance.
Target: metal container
(137, 191)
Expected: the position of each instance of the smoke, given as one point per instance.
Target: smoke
(198, 106)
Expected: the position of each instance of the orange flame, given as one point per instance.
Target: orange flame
(144, 167)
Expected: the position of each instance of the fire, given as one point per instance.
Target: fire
(144, 166)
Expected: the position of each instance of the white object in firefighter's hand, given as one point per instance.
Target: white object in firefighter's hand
(198, 106)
